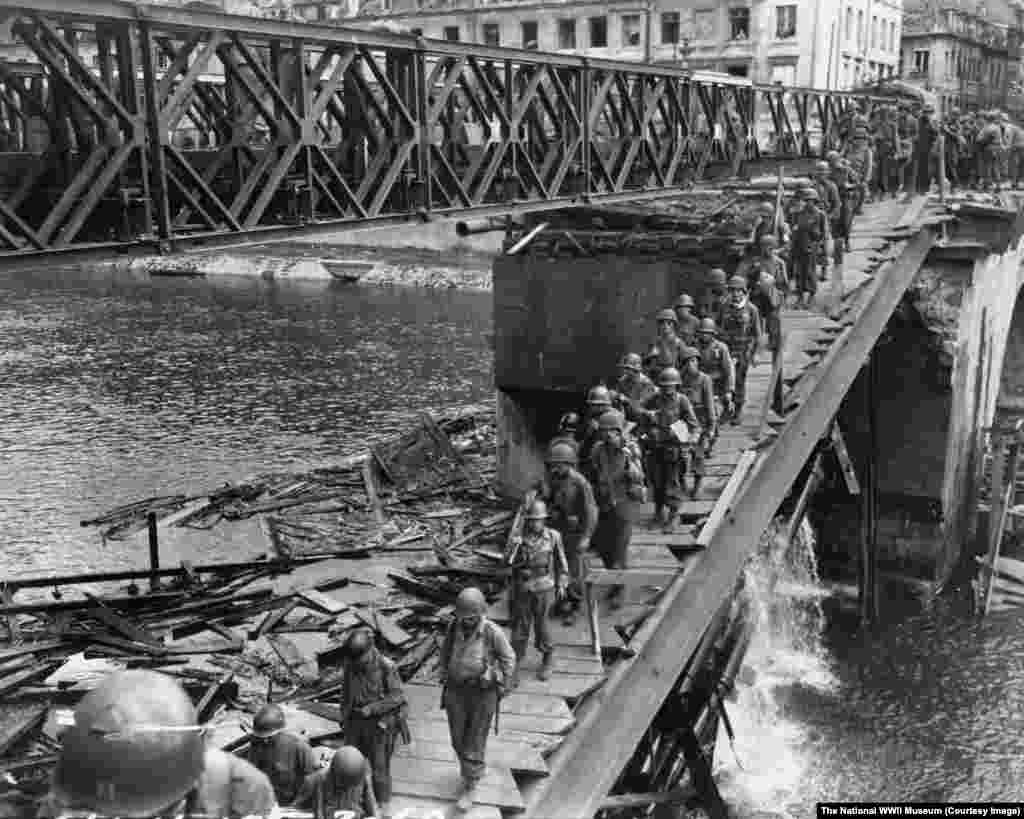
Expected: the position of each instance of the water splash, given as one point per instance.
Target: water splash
(765, 773)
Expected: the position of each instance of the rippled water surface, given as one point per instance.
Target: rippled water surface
(115, 387)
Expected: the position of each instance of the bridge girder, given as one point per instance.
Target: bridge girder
(154, 124)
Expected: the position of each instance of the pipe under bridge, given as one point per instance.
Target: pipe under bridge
(132, 124)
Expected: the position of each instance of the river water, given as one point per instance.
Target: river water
(115, 387)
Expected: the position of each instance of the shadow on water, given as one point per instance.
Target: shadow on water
(116, 386)
(928, 706)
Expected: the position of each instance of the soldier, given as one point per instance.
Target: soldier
(809, 230)
(716, 361)
(568, 430)
(665, 350)
(669, 446)
(765, 260)
(112, 761)
(573, 513)
(713, 293)
(741, 331)
(686, 321)
(989, 144)
(633, 387)
(284, 757)
(828, 193)
(697, 387)
(599, 401)
(373, 708)
(924, 149)
(477, 663)
(540, 574)
(862, 163)
(346, 785)
(886, 147)
(618, 481)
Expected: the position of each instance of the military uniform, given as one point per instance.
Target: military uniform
(539, 563)
(230, 788)
(376, 687)
(634, 388)
(664, 353)
(687, 327)
(716, 361)
(476, 669)
(809, 232)
(324, 793)
(701, 395)
(740, 329)
(667, 456)
(573, 514)
(286, 759)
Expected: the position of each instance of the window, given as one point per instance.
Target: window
(670, 27)
(892, 36)
(492, 34)
(847, 73)
(860, 29)
(784, 74)
(451, 33)
(874, 30)
(163, 61)
(598, 32)
(308, 12)
(704, 24)
(739, 23)
(921, 61)
(738, 70)
(567, 34)
(631, 30)
(529, 28)
(785, 22)
(849, 23)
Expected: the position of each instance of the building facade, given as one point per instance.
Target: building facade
(867, 36)
(963, 57)
(793, 42)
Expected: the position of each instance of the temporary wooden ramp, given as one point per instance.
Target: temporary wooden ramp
(562, 744)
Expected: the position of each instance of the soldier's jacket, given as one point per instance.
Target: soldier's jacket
(701, 394)
(831, 202)
(862, 162)
(740, 328)
(539, 560)
(231, 788)
(375, 686)
(809, 229)
(687, 327)
(752, 268)
(716, 361)
(572, 509)
(616, 474)
(663, 411)
(990, 138)
(664, 353)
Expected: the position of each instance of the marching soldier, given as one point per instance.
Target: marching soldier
(697, 387)
(665, 350)
(477, 664)
(372, 708)
(669, 446)
(573, 514)
(633, 387)
(686, 321)
(809, 231)
(540, 574)
(618, 481)
(599, 401)
(741, 331)
(716, 361)
(284, 757)
(713, 294)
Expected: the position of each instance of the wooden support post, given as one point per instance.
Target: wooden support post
(1004, 482)
(817, 473)
(371, 492)
(845, 462)
(700, 773)
(157, 133)
(592, 617)
(154, 551)
(869, 504)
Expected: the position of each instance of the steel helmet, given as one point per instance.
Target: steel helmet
(538, 510)
(348, 765)
(135, 748)
(769, 240)
(766, 208)
(684, 300)
(669, 377)
(821, 165)
(471, 601)
(717, 276)
(631, 361)
(611, 420)
(737, 283)
(599, 397)
(707, 325)
(359, 642)
(569, 421)
(686, 353)
(832, 156)
(666, 315)
(269, 720)
(562, 452)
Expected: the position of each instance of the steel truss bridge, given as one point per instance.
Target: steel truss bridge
(161, 126)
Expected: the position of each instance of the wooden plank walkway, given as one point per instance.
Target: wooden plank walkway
(538, 716)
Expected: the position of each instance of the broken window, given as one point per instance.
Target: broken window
(921, 61)
(785, 22)
(598, 32)
(492, 34)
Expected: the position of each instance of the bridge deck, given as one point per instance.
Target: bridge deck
(540, 716)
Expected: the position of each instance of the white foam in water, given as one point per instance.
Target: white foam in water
(766, 775)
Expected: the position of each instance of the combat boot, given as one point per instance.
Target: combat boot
(519, 648)
(696, 487)
(659, 517)
(670, 524)
(468, 796)
(545, 667)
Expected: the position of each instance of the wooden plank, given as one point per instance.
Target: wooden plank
(520, 759)
(521, 723)
(12, 682)
(115, 621)
(442, 780)
(31, 648)
(385, 626)
(322, 601)
(421, 807)
(845, 462)
(724, 503)
(587, 764)
(570, 686)
(437, 731)
(630, 577)
(14, 732)
(424, 698)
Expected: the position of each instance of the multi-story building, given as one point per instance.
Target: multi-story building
(793, 42)
(964, 57)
